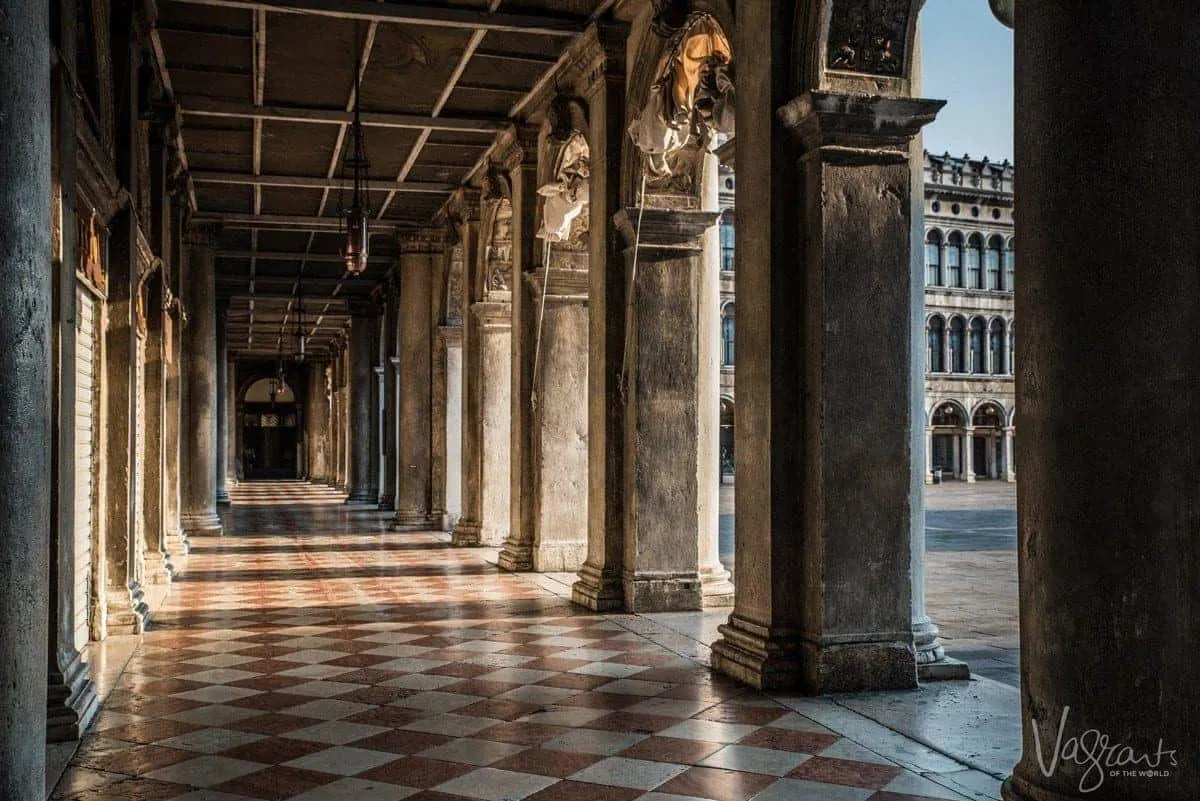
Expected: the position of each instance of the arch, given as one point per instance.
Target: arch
(973, 257)
(260, 392)
(976, 345)
(958, 344)
(948, 413)
(934, 275)
(726, 439)
(936, 344)
(989, 413)
(994, 264)
(1010, 263)
(848, 40)
(998, 346)
(954, 259)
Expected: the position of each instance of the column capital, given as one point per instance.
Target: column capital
(870, 128)
(202, 233)
(664, 233)
(601, 53)
(425, 240)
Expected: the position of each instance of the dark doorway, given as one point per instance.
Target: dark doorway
(270, 427)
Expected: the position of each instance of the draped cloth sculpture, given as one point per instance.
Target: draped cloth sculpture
(567, 196)
(693, 95)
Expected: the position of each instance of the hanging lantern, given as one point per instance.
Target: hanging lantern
(356, 214)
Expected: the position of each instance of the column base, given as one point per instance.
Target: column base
(412, 520)
(204, 524)
(786, 660)
(387, 504)
(362, 496)
(71, 701)
(223, 497)
(598, 590)
(466, 534)
(177, 543)
(755, 655)
(516, 557)
(716, 589)
(932, 662)
(159, 569)
(662, 592)
(128, 612)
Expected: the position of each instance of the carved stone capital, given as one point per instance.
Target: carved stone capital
(664, 233)
(202, 233)
(425, 240)
(495, 183)
(875, 126)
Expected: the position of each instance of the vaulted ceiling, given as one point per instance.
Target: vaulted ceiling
(266, 89)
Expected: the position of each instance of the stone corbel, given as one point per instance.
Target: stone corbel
(664, 233)
(857, 127)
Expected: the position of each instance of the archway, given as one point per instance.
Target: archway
(270, 430)
(948, 424)
(987, 441)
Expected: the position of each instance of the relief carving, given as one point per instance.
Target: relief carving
(869, 36)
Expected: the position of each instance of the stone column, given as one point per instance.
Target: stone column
(159, 569)
(968, 458)
(929, 456)
(418, 253)
(548, 519)
(233, 422)
(361, 428)
(466, 528)
(715, 585)
(390, 436)
(317, 421)
(1010, 467)
(599, 587)
(223, 380)
(492, 328)
(451, 338)
(826, 488)
(26, 360)
(71, 695)
(177, 543)
(200, 364)
(1109, 525)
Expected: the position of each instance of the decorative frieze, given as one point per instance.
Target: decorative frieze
(869, 36)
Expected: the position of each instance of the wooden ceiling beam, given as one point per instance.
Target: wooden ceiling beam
(414, 14)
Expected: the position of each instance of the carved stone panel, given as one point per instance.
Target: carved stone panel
(869, 36)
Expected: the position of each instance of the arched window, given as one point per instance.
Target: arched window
(997, 347)
(727, 336)
(1010, 265)
(954, 257)
(727, 240)
(995, 278)
(977, 353)
(933, 259)
(974, 262)
(958, 363)
(937, 338)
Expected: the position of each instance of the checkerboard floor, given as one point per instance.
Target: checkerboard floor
(312, 655)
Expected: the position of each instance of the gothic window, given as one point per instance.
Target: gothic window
(727, 336)
(974, 259)
(727, 240)
(996, 346)
(995, 279)
(954, 255)
(977, 352)
(933, 259)
(958, 362)
(937, 338)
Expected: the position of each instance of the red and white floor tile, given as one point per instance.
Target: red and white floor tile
(312, 655)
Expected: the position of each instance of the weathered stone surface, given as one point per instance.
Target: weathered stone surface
(200, 363)
(25, 402)
(362, 485)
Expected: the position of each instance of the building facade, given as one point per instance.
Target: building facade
(970, 396)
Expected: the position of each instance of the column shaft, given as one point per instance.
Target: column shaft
(414, 491)
(223, 410)
(599, 586)
(390, 436)
(1110, 564)
(25, 396)
(466, 529)
(362, 427)
(200, 363)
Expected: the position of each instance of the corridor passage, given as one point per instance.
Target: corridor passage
(311, 654)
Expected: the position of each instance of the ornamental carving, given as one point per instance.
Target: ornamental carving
(499, 251)
(91, 261)
(869, 36)
(454, 289)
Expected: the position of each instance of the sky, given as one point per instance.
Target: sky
(967, 60)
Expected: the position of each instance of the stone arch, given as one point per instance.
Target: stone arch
(855, 45)
(980, 411)
(662, 31)
(959, 408)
